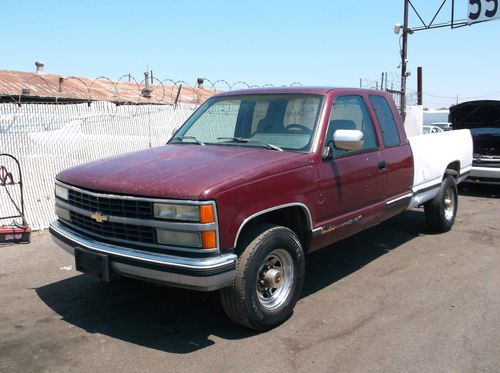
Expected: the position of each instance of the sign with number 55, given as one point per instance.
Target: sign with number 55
(482, 10)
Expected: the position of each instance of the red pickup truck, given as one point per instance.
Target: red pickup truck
(252, 182)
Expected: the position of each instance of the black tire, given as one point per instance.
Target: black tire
(270, 256)
(440, 212)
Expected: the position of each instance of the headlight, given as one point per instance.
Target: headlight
(61, 192)
(62, 213)
(166, 236)
(176, 212)
(201, 214)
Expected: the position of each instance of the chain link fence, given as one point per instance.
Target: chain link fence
(47, 138)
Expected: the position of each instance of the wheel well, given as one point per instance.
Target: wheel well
(293, 218)
(453, 169)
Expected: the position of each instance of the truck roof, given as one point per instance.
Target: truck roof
(301, 89)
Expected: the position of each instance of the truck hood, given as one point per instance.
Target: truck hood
(181, 171)
(475, 114)
(483, 120)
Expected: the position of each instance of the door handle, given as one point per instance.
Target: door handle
(382, 165)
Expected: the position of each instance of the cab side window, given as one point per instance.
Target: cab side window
(386, 121)
(350, 113)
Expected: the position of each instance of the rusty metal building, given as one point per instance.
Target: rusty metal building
(19, 87)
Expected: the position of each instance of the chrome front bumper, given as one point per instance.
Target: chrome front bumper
(484, 175)
(206, 274)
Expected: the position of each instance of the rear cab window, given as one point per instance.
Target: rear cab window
(387, 123)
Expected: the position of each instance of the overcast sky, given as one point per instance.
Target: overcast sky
(277, 42)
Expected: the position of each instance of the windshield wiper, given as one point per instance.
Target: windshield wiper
(244, 139)
(181, 138)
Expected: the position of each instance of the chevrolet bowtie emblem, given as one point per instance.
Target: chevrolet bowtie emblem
(98, 217)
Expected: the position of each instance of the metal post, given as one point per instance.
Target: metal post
(404, 53)
(452, 13)
(146, 80)
(178, 95)
(420, 91)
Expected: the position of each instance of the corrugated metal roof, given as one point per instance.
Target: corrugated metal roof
(25, 85)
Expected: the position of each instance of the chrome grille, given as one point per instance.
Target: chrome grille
(125, 220)
(112, 230)
(111, 206)
(486, 162)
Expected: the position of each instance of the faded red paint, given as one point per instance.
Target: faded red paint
(180, 171)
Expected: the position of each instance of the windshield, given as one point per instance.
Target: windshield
(272, 121)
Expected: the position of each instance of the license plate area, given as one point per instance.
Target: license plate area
(93, 264)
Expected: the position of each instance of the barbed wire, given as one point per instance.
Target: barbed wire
(392, 83)
(161, 91)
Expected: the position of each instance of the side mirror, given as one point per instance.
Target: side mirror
(349, 140)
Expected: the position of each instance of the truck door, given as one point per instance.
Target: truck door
(396, 153)
(352, 183)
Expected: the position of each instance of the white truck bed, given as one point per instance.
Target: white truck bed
(432, 156)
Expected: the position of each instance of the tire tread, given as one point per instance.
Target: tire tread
(434, 214)
(233, 298)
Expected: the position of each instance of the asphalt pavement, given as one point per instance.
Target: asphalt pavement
(394, 298)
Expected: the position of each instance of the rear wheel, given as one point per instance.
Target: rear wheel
(269, 277)
(440, 212)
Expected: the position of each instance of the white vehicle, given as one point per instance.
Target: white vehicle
(445, 126)
(431, 129)
(483, 120)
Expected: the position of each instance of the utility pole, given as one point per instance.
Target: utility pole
(420, 88)
(404, 53)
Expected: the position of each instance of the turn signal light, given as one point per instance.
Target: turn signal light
(209, 240)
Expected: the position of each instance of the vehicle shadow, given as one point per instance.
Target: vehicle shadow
(479, 190)
(182, 321)
(339, 260)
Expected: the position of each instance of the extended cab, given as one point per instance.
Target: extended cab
(252, 182)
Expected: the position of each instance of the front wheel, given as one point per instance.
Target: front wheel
(440, 212)
(269, 277)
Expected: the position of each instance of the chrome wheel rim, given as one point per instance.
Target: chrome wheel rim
(275, 277)
(449, 204)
